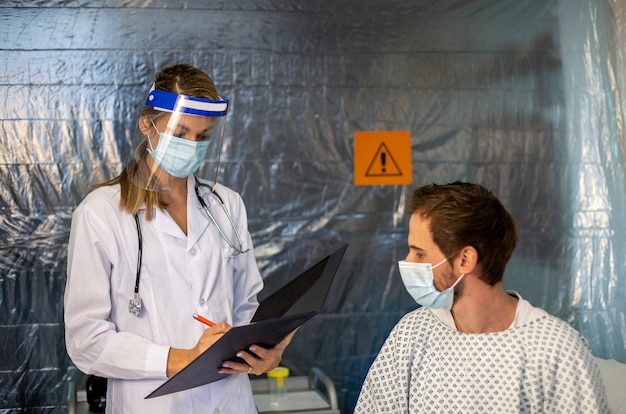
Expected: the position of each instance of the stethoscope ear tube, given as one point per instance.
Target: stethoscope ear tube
(237, 250)
(134, 304)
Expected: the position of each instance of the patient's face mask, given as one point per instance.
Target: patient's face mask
(179, 157)
(418, 278)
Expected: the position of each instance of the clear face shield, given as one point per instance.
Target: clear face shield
(175, 136)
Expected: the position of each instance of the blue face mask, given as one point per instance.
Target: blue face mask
(179, 157)
(418, 278)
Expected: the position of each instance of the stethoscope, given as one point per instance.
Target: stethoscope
(135, 303)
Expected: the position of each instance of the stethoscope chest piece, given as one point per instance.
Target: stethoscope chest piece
(134, 305)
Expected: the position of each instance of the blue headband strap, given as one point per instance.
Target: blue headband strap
(173, 102)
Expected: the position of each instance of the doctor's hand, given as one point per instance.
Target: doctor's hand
(177, 359)
(258, 360)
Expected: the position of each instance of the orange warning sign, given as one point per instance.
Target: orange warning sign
(382, 157)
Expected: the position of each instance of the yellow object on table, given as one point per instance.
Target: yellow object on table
(277, 380)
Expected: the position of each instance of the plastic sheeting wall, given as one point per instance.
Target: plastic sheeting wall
(522, 96)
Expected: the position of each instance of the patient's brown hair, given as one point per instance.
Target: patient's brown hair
(465, 214)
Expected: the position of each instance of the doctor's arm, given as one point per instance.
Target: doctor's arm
(179, 358)
(92, 340)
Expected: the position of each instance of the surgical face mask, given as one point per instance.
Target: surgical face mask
(178, 156)
(418, 278)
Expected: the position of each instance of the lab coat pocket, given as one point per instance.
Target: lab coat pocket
(226, 275)
(134, 391)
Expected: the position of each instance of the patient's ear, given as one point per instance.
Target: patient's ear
(469, 259)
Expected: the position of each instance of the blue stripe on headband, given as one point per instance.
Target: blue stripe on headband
(173, 102)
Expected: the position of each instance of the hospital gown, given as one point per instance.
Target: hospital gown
(425, 366)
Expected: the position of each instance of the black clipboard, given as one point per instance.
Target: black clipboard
(204, 369)
(307, 292)
(279, 314)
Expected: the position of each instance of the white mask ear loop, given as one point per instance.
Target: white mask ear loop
(154, 126)
(438, 264)
(148, 137)
(457, 281)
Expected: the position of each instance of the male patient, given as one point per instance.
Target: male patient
(473, 347)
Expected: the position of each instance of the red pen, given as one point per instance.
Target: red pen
(203, 320)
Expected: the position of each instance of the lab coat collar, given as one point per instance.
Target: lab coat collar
(196, 221)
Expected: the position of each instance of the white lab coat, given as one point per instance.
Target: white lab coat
(180, 275)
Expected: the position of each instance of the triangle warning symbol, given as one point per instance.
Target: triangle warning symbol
(383, 164)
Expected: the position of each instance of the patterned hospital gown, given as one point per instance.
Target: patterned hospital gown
(424, 366)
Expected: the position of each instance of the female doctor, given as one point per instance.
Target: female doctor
(156, 245)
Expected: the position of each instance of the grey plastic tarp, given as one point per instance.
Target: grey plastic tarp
(523, 96)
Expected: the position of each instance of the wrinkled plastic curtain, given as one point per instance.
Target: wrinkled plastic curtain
(589, 256)
(522, 96)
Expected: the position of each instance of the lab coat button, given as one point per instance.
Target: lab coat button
(193, 251)
(201, 301)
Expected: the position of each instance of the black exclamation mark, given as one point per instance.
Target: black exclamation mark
(383, 159)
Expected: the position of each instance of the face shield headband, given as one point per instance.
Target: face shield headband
(173, 102)
(176, 143)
